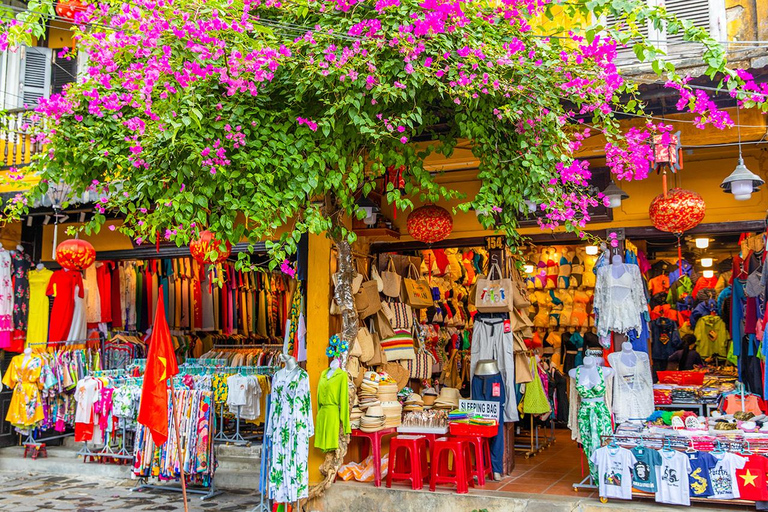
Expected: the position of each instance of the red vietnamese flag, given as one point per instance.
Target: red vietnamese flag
(161, 366)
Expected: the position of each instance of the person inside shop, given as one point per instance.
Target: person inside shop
(687, 357)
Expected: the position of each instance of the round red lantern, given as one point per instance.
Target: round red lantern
(206, 244)
(68, 8)
(430, 224)
(75, 254)
(680, 211)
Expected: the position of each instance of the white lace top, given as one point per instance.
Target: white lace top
(619, 301)
(632, 388)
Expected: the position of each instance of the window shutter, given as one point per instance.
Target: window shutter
(627, 53)
(697, 11)
(35, 75)
(63, 72)
(10, 69)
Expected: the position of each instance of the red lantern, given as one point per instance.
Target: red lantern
(75, 254)
(680, 211)
(206, 244)
(430, 224)
(68, 8)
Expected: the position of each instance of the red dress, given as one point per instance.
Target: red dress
(62, 288)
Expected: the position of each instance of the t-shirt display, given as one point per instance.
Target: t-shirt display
(614, 466)
(751, 479)
(701, 465)
(673, 487)
(723, 475)
(645, 468)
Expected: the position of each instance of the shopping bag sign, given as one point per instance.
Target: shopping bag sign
(487, 410)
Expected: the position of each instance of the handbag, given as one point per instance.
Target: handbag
(392, 281)
(421, 367)
(399, 346)
(493, 295)
(365, 341)
(416, 291)
(367, 301)
(354, 350)
(356, 281)
(383, 325)
(535, 399)
(378, 353)
(400, 315)
(355, 371)
(376, 277)
(522, 362)
(519, 291)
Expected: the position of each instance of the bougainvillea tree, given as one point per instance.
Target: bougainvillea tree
(245, 117)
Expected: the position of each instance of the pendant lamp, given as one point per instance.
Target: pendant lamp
(615, 195)
(742, 182)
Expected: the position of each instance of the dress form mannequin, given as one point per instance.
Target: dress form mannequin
(486, 367)
(589, 376)
(20, 248)
(27, 355)
(617, 266)
(290, 362)
(335, 365)
(628, 356)
(40, 266)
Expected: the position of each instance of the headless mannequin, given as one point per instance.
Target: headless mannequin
(588, 374)
(335, 365)
(27, 355)
(486, 367)
(628, 356)
(40, 266)
(617, 266)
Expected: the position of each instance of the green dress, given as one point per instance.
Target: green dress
(594, 418)
(333, 409)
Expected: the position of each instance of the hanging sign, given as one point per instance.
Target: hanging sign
(487, 410)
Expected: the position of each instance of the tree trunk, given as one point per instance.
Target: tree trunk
(343, 296)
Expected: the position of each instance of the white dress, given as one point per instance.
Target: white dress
(619, 301)
(632, 388)
(290, 426)
(79, 328)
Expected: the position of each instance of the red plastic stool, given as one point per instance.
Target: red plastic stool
(35, 449)
(374, 438)
(408, 460)
(481, 450)
(461, 474)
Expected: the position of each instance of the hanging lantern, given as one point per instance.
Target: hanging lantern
(206, 244)
(68, 8)
(678, 212)
(75, 254)
(430, 224)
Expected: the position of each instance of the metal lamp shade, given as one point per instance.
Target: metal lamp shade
(741, 182)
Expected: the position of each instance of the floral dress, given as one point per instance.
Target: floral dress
(23, 377)
(6, 299)
(22, 263)
(594, 417)
(290, 427)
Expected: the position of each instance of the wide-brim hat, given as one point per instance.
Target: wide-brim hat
(448, 397)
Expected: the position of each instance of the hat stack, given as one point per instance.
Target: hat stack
(414, 402)
(448, 399)
(429, 396)
(393, 412)
(387, 392)
(373, 420)
(368, 391)
(354, 417)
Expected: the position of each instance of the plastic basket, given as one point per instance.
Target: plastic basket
(467, 429)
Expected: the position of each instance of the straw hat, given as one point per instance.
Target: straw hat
(448, 399)
(393, 412)
(398, 373)
(414, 402)
(373, 420)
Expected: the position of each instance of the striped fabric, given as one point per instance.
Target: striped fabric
(402, 316)
(399, 346)
(421, 366)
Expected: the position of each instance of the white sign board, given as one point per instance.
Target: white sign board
(488, 410)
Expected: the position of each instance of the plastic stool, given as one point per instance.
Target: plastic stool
(481, 450)
(408, 460)
(374, 438)
(461, 475)
(35, 449)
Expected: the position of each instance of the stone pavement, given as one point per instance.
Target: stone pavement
(30, 493)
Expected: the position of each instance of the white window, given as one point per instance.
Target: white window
(26, 76)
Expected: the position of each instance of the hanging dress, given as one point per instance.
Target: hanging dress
(21, 262)
(37, 328)
(62, 286)
(78, 330)
(6, 299)
(333, 409)
(23, 377)
(594, 417)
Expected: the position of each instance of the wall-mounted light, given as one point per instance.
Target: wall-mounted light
(702, 243)
(741, 182)
(615, 195)
(591, 250)
(706, 262)
(371, 210)
(528, 268)
(709, 274)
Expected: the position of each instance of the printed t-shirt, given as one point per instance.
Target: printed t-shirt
(647, 461)
(614, 471)
(237, 389)
(673, 486)
(751, 479)
(723, 476)
(701, 465)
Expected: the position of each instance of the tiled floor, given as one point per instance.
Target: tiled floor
(552, 471)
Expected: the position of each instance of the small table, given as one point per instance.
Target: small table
(374, 439)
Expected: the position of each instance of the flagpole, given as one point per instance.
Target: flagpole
(178, 446)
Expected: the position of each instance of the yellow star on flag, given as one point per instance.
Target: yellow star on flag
(165, 366)
(749, 479)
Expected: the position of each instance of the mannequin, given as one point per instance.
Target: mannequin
(486, 367)
(632, 385)
(290, 362)
(587, 373)
(20, 248)
(335, 365)
(27, 355)
(628, 356)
